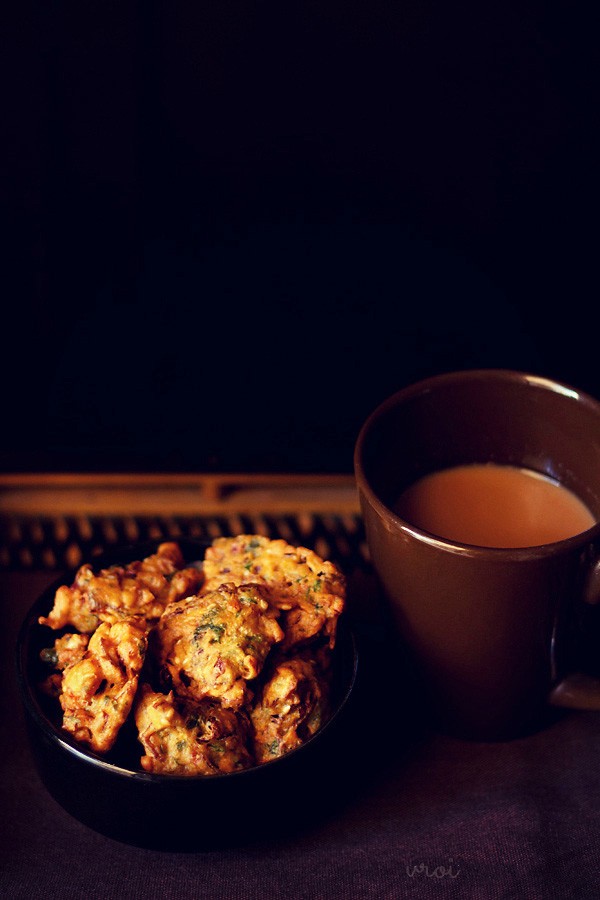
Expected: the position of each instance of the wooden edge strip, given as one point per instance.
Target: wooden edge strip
(174, 494)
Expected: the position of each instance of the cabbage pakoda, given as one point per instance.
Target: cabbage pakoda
(139, 589)
(291, 707)
(184, 737)
(66, 651)
(220, 666)
(212, 644)
(308, 590)
(97, 691)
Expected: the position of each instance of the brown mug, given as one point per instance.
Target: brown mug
(499, 637)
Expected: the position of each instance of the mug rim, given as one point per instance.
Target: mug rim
(425, 385)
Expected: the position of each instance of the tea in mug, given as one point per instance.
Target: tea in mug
(492, 505)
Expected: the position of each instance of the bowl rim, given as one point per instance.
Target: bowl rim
(68, 744)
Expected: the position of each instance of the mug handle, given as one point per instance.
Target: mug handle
(579, 690)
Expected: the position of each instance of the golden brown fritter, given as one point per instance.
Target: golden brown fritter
(182, 737)
(98, 689)
(72, 605)
(140, 589)
(212, 644)
(240, 651)
(292, 707)
(66, 650)
(310, 591)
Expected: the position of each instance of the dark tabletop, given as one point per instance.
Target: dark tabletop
(420, 815)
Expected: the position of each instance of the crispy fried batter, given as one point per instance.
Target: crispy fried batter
(98, 689)
(182, 737)
(291, 708)
(309, 590)
(66, 650)
(211, 645)
(142, 589)
(71, 606)
(241, 650)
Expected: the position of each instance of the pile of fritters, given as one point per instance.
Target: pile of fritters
(222, 665)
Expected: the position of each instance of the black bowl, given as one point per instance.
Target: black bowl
(115, 797)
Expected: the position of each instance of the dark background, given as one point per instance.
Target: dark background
(234, 228)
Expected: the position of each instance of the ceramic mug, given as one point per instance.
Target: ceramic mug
(498, 637)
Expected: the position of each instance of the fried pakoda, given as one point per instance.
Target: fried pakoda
(140, 589)
(66, 651)
(98, 689)
(310, 591)
(220, 667)
(292, 706)
(184, 737)
(212, 644)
